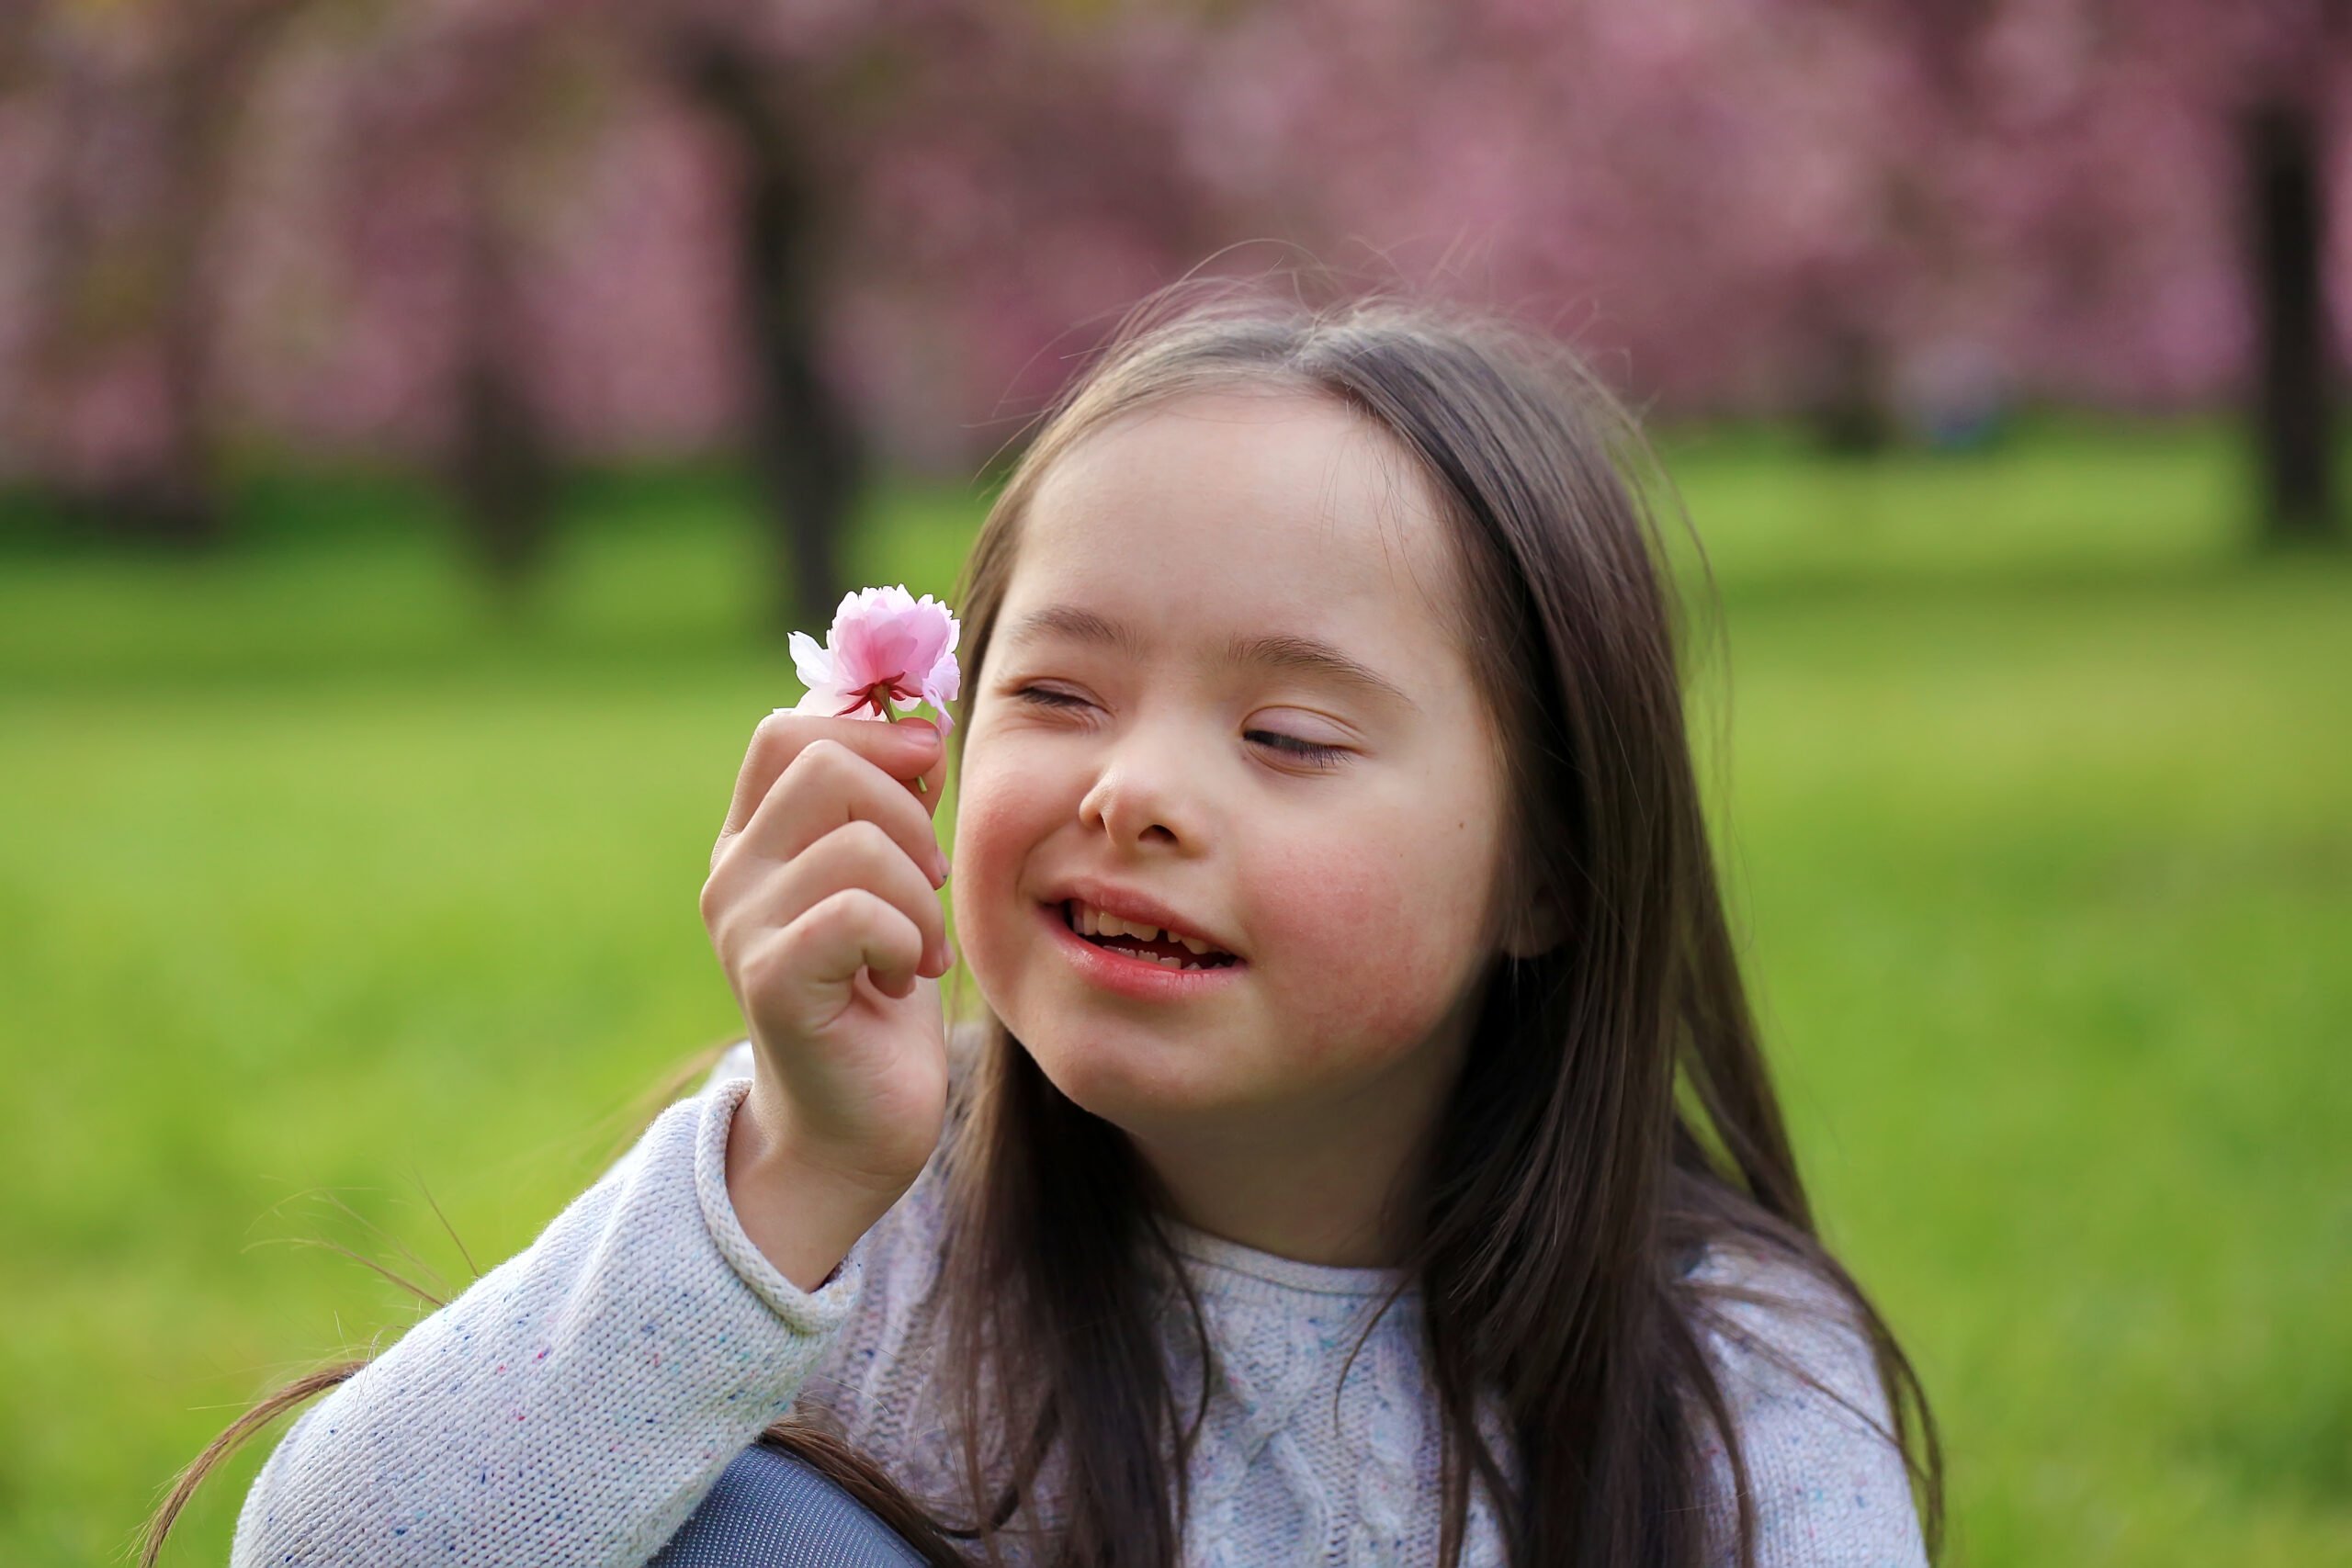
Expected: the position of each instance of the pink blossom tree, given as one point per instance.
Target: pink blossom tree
(498, 233)
(117, 132)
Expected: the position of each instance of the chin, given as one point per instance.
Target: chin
(1126, 1076)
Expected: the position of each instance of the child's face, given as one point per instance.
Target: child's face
(1354, 892)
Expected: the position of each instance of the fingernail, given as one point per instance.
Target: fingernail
(940, 859)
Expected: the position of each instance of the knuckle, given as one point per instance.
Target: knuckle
(867, 839)
(768, 962)
(823, 753)
(788, 950)
(772, 736)
(843, 911)
(733, 932)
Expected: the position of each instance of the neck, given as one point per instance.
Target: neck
(1327, 1184)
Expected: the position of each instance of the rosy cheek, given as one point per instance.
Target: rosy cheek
(1369, 946)
(994, 825)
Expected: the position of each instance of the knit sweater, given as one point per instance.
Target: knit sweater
(576, 1402)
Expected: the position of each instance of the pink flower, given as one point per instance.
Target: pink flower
(883, 646)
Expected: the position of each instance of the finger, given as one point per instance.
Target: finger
(901, 750)
(857, 854)
(825, 785)
(829, 785)
(869, 830)
(818, 956)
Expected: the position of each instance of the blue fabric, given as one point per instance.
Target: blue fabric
(771, 1510)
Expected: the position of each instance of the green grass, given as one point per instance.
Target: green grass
(326, 888)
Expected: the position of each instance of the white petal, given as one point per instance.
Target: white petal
(827, 699)
(813, 664)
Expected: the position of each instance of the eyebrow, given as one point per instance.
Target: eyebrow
(1280, 650)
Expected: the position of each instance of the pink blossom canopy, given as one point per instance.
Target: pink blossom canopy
(883, 643)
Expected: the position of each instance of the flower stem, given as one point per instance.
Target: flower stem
(882, 701)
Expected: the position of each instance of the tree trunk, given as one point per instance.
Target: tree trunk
(1843, 391)
(805, 449)
(501, 474)
(2287, 218)
(498, 464)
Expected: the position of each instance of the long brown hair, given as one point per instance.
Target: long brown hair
(1613, 1120)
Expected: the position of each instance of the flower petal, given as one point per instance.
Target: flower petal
(810, 662)
(827, 699)
(881, 634)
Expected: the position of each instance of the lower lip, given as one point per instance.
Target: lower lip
(1137, 977)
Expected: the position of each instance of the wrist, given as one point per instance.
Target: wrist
(803, 1214)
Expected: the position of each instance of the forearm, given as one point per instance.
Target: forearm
(574, 1402)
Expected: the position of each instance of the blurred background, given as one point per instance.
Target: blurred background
(421, 422)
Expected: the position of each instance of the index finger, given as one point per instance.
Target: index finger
(908, 749)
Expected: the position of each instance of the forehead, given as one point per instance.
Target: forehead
(1279, 509)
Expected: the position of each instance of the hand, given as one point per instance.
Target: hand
(823, 904)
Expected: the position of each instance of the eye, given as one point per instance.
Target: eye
(1312, 753)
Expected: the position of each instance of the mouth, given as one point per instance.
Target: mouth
(1156, 968)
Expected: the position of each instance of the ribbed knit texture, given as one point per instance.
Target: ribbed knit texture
(572, 1405)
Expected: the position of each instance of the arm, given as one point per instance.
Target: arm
(573, 1404)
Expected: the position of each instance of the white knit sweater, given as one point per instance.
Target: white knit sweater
(574, 1404)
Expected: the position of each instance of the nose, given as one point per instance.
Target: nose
(1140, 798)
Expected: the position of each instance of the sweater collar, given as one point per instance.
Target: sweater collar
(1289, 1273)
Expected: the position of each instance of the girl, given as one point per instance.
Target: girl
(1362, 1154)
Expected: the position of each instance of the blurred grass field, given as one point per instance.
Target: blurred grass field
(326, 888)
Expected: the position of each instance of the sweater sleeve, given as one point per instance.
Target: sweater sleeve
(577, 1401)
(1828, 1492)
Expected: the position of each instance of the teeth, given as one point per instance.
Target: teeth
(1091, 921)
(1088, 920)
(1165, 960)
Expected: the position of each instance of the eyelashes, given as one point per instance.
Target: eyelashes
(1311, 753)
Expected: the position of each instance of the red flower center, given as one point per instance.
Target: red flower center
(877, 695)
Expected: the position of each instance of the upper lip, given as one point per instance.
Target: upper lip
(1141, 908)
